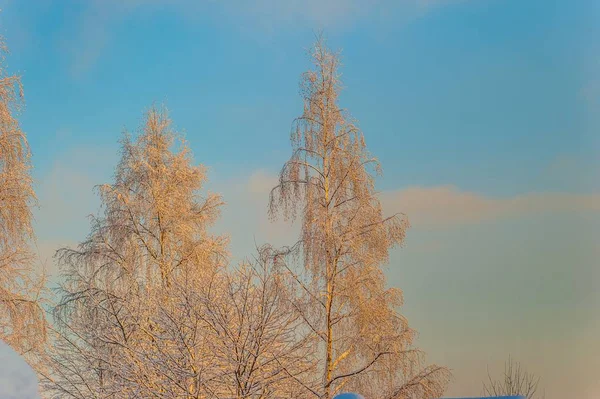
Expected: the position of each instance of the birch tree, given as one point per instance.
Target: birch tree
(150, 240)
(148, 308)
(231, 336)
(328, 183)
(22, 322)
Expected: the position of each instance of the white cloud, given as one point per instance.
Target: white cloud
(66, 198)
(426, 207)
(245, 216)
(447, 205)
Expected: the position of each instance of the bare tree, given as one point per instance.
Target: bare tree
(515, 381)
(365, 344)
(22, 321)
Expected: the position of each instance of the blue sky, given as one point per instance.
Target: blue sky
(483, 114)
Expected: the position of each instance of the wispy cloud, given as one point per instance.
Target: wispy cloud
(444, 206)
(93, 33)
(332, 14)
(434, 207)
(94, 30)
(66, 197)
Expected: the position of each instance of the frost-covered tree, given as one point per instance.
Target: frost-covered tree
(364, 344)
(255, 332)
(148, 308)
(22, 322)
(121, 283)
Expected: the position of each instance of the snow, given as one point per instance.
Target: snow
(17, 379)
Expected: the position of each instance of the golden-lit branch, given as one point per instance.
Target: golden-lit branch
(148, 308)
(22, 321)
(125, 325)
(329, 184)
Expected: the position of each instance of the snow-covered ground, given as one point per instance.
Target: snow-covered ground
(17, 379)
